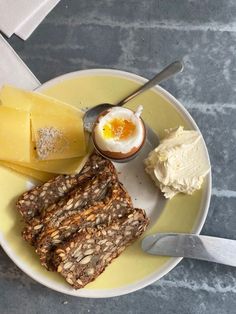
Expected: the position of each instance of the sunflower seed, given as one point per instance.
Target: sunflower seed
(79, 257)
(89, 252)
(86, 260)
(91, 241)
(38, 227)
(77, 250)
(102, 241)
(79, 282)
(109, 243)
(68, 265)
(54, 233)
(69, 206)
(69, 281)
(70, 201)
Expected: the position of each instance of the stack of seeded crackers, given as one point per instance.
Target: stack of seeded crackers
(79, 223)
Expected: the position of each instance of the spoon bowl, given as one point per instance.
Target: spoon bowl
(91, 115)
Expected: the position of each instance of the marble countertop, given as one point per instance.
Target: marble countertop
(142, 37)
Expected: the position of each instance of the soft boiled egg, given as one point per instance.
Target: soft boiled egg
(119, 133)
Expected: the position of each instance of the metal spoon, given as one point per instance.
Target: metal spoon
(92, 114)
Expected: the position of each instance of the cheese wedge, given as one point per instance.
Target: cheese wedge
(14, 135)
(60, 166)
(35, 102)
(30, 173)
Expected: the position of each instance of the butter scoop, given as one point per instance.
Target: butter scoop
(179, 164)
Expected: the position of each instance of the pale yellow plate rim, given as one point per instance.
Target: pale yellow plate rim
(172, 262)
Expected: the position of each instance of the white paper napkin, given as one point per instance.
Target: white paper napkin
(13, 70)
(14, 13)
(27, 28)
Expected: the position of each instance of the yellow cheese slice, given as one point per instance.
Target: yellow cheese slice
(31, 173)
(60, 166)
(58, 136)
(14, 135)
(35, 102)
(15, 98)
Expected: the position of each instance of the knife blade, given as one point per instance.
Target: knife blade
(213, 249)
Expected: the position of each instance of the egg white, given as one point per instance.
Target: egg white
(123, 146)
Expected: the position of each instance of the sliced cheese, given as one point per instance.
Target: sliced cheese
(60, 166)
(38, 105)
(58, 136)
(15, 98)
(35, 102)
(31, 173)
(14, 135)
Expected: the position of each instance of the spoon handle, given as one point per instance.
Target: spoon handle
(212, 249)
(166, 73)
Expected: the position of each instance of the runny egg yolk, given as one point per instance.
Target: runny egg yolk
(118, 129)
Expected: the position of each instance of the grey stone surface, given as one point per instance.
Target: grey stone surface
(218, 125)
(141, 37)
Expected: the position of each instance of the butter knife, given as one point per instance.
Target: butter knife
(212, 249)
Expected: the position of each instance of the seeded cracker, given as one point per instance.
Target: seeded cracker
(33, 203)
(116, 205)
(85, 256)
(90, 190)
(79, 200)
